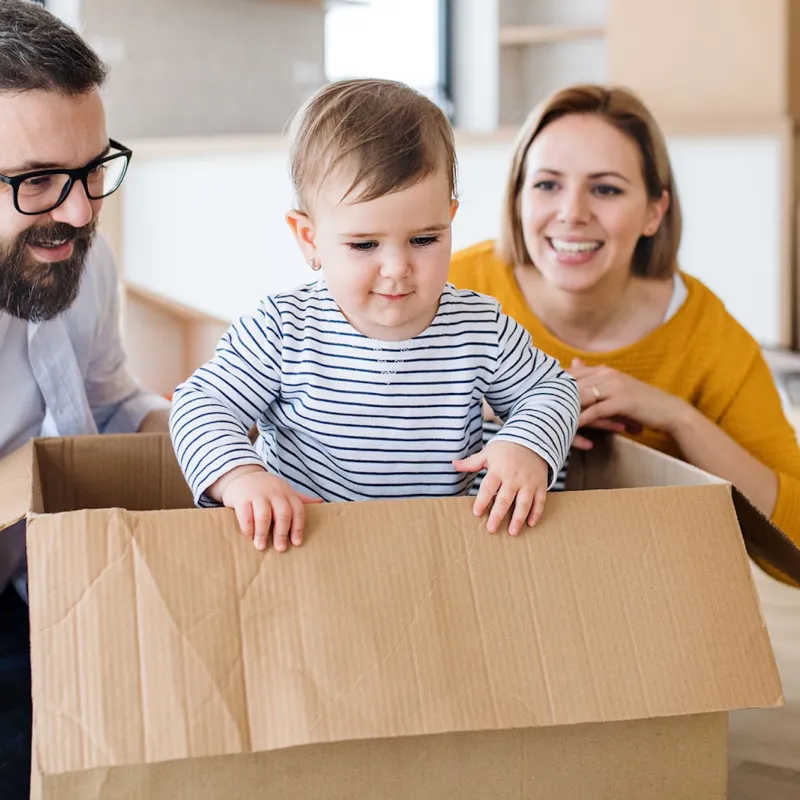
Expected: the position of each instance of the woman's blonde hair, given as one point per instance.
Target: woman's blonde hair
(385, 134)
(655, 256)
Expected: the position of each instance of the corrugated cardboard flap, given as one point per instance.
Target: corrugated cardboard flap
(174, 638)
(17, 485)
(133, 471)
(621, 463)
(766, 541)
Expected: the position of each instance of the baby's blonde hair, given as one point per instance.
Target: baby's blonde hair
(386, 135)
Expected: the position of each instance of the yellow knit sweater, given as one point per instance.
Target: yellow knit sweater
(701, 354)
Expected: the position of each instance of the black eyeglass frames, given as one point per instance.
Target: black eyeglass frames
(43, 190)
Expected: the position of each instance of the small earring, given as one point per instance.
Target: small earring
(314, 264)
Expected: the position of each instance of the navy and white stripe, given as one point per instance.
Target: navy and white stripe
(335, 425)
(679, 294)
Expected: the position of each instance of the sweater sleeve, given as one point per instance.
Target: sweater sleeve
(756, 420)
(215, 408)
(536, 397)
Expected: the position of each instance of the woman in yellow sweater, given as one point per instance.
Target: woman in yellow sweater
(587, 262)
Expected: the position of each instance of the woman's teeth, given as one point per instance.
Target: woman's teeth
(564, 246)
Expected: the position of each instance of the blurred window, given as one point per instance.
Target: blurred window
(404, 40)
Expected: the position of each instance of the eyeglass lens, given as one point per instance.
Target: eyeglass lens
(43, 192)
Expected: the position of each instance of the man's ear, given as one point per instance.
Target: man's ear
(304, 231)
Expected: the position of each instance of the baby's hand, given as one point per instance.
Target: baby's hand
(516, 477)
(263, 500)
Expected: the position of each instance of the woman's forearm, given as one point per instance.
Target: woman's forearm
(707, 446)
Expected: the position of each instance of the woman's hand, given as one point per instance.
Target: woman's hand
(610, 398)
(614, 401)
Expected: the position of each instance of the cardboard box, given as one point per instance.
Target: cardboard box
(403, 653)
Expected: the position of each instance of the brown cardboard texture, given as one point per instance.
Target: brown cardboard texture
(403, 652)
(19, 491)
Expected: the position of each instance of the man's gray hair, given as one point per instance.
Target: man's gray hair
(39, 51)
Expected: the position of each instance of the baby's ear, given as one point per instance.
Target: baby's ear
(453, 208)
(303, 231)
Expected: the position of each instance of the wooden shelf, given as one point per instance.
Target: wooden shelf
(172, 308)
(520, 35)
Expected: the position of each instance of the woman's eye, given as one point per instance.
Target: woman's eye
(362, 247)
(545, 186)
(607, 190)
(424, 241)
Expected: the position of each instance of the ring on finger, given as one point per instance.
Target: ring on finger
(596, 392)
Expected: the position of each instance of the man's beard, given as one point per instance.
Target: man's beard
(36, 291)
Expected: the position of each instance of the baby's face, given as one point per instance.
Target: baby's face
(386, 260)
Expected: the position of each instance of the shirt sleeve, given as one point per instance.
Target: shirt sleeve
(755, 419)
(117, 402)
(213, 411)
(536, 397)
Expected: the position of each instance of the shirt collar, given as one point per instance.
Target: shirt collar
(5, 322)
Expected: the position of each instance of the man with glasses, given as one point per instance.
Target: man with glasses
(62, 365)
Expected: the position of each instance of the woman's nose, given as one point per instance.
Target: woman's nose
(574, 207)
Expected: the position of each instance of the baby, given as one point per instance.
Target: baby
(369, 383)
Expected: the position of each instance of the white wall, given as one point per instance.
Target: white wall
(67, 10)
(209, 231)
(476, 75)
(203, 67)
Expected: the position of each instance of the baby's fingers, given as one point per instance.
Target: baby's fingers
(502, 503)
(489, 486)
(244, 516)
(539, 499)
(304, 498)
(282, 515)
(262, 517)
(298, 522)
(521, 509)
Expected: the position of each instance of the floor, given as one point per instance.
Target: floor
(765, 744)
